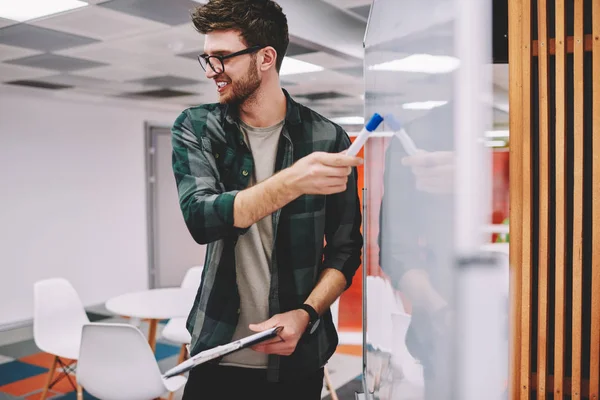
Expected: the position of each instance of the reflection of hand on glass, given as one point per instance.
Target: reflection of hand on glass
(434, 171)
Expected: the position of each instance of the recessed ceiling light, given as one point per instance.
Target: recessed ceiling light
(423, 105)
(291, 66)
(424, 63)
(25, 10)
(349, 120)
(497, 134)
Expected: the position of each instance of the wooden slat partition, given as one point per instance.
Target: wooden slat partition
(587, 44)
(595, 319)
(515, 94)
(526, 234)
(569, 107)
(543, 197)
(578, 157)
(561, 202)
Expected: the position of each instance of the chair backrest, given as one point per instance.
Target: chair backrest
(335, 313)
(117, 363)
(192, 278)
(58, 314)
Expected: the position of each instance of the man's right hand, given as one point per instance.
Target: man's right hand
(322, 173)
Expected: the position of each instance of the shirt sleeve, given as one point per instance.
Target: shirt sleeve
(207, 208)
(342, 226)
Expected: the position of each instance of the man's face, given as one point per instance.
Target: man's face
(240, 79)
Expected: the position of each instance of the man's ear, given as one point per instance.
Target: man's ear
(269, 59)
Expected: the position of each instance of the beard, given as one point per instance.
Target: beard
(243, 89)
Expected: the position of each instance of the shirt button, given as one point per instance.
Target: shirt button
(217, 155)
(245, 173)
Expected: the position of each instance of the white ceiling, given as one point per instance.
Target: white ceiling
(111, 48)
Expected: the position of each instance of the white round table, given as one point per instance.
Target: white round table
(153, 305)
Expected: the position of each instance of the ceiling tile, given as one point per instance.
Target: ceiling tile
(192, 55)
(326, 60)
(99, 23)
(117, 73)
(362, 11)
(166, 81)
(74, 80)
(55, 62)
(322, 78)
(295, 49)
(323, 96)
(172, 12)
(158, 93)
(34, 37)
(179, 66)
(108, 53)
(6, 22)
(16, 72)
(38, 84)
(11, 52)
(168, 41)
(354, 71)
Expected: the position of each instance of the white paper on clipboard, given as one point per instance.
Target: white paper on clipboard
(223, 350)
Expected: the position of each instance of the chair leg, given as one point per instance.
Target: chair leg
(182, 357)
(182, 354)
(79, 392)
(330, 385)
(50, 376)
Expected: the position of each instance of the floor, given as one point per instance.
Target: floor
(23, 367)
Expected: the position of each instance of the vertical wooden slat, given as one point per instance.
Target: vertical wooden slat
(526, 249)
(543, 199)
(561, 202)
(595, 326)
(577, 199)
(515, 93)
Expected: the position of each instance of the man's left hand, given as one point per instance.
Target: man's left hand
(294, 324)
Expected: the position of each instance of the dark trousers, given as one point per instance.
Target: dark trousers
(209, 381)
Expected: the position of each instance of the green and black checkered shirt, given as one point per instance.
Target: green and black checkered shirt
(212, 163)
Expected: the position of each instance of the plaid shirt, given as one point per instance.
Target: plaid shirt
(212, 163)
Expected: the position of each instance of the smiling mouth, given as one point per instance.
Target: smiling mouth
(221, 86)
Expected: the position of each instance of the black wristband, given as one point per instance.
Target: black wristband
(313, 317)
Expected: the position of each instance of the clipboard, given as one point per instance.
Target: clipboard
(223, 350)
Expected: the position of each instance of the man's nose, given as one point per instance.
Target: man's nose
(210, 74)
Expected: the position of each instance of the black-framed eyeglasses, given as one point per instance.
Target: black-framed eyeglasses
(217, 62)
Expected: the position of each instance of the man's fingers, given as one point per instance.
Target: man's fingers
(327, 170)
(263, 326)
(339, 160)
(274, 348)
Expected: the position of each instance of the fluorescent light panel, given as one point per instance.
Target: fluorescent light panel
(25, 10)
(291, 66)
(497, 134)
(424, 63)
(423, 105)
(349, 120)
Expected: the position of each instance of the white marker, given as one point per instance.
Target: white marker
(362, 137)
(407, 142)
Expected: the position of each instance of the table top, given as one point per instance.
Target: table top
(154, 303)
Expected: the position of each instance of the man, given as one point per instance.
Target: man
(263, 181)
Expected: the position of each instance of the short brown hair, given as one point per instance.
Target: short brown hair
(260, 22)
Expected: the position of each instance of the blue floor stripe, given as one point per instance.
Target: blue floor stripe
(16, 370)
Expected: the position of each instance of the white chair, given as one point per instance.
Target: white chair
(175, 330)
(58, 319)
(117, 363)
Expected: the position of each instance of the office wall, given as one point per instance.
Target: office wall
(73, 196)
